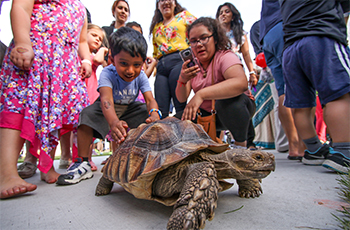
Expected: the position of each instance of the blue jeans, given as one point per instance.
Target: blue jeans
(168, 72)
(273, 50)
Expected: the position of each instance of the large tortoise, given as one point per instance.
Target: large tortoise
(176, 163)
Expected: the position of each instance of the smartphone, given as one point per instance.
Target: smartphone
(188, 55)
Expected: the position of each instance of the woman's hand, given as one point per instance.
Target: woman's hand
(188, 73)
(253, 80)
(192, 107)
(150, 60)
(22, 56)
(119, 130)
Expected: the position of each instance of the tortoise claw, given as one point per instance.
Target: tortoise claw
(196, 205)
(250, 188)
(104, 187)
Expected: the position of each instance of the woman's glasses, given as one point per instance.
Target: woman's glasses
(203, 41)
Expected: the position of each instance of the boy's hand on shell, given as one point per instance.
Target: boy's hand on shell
(119, 131)
(152, 118)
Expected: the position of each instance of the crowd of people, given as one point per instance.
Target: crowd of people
(50, 92)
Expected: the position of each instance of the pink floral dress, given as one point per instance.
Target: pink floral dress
(45, 102)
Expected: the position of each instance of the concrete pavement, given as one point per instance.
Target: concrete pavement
(295, 196)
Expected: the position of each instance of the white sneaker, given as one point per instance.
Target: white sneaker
(79, 170)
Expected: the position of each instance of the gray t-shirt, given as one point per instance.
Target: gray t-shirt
(123, 92)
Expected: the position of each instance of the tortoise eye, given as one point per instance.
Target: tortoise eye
(258, 157)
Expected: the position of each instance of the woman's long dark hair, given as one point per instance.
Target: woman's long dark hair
(222, 42)
(158, 17)
(236, 24)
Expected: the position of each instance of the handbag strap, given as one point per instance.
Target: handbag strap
(212, 83)
(213, 111)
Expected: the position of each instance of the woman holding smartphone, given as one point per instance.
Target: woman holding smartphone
(234, 104)
(168, 30)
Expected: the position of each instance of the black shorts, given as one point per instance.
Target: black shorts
(133, 114)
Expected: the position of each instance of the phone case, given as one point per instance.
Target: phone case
(188, 55)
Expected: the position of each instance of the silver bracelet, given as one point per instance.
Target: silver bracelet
(252, 72)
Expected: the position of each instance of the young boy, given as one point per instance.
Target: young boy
(116, 110)
(316, 57)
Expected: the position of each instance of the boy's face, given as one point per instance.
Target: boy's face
(128, 67)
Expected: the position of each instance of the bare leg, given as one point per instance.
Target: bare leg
(10, 146)
(65, 146)
(304, 122)
(289, 126)
(29, 157)
(51, 176)
(85, 135)
(336, 116)
(66, 156)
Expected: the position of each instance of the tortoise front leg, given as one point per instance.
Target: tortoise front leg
(104, 187)
(249, 188)
(198, 198)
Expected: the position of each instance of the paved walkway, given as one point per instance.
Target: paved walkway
(295, 197)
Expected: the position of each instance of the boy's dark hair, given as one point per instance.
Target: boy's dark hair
(133, 23)
(130, 41)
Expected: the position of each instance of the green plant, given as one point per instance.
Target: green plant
(344, 192)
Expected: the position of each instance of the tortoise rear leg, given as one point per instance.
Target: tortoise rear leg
(104, 187)
(197, 199)
(249, 188)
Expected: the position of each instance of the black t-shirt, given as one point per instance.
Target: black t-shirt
(312, 18)
(254, 37)
(269, 17)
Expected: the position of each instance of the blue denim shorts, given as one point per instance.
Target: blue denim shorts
(315, 63)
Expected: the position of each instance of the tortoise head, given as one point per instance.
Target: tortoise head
(242, 164)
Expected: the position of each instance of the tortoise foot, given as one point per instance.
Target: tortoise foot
(249, 188)
(104, 187)
(197, 200)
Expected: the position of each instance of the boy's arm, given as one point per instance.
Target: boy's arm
(118, 127)
(151, 105)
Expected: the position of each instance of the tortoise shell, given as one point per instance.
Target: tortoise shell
(153, 147)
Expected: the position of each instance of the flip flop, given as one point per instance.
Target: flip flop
(294, 158)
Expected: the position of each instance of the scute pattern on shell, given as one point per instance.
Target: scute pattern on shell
(153, 147)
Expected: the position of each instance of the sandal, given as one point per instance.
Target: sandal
(295, 158)
(26, 169)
